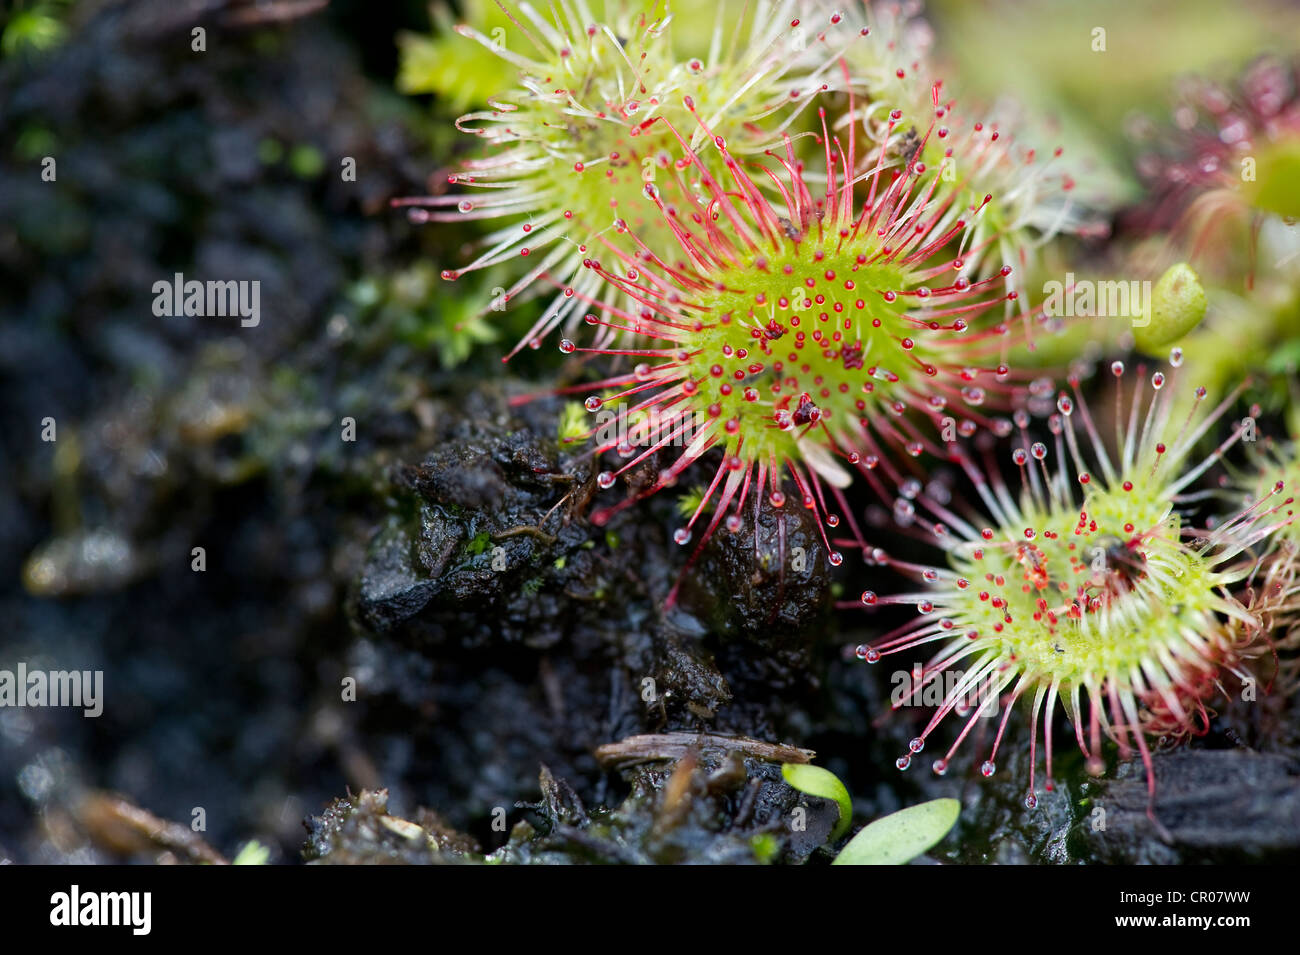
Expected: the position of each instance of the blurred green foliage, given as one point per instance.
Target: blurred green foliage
(1045, 53)
(458, 70)
(414, 305)
(32, 28)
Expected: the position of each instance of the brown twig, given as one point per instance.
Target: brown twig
(653, 747)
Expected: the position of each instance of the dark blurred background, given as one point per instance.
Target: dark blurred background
(180, 432)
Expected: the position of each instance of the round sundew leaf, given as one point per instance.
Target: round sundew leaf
(1273, 188)
(816, 781)
(901, 836)
(1177, 306)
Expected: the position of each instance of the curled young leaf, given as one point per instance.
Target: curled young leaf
(816, 781)
(1177, 306)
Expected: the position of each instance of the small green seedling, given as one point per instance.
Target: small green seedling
(890, 840)
(816, 781)
(901, 836)
(253, 853)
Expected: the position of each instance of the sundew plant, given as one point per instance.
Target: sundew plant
(591, 122)
(801, 268)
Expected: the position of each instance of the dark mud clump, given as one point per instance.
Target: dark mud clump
(520, 633)
(712, 805)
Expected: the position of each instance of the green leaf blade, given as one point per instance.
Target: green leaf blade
(824, 784)
(901, 836)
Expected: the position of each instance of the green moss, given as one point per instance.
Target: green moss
(574, 422)
(765, 847)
